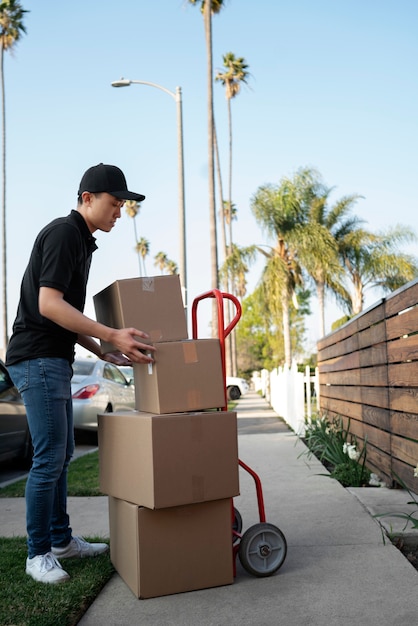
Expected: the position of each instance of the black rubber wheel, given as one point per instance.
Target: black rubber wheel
(236, 525)
(263, 549)
(233, 393)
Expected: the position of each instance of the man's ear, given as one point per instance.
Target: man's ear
(86, 197)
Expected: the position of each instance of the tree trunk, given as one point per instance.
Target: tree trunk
(4, 235)
(225, 286)
(207, 16)
(320, 294)
(286, 329)
(357, 296)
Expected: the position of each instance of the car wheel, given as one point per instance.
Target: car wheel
(233, 393)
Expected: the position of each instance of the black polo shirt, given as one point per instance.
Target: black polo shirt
(60, 258)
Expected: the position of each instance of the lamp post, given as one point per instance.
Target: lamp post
(125, 82)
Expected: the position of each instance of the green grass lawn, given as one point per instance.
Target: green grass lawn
(83, 479)
(23, 602)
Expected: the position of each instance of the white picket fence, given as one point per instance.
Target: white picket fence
(289, 393)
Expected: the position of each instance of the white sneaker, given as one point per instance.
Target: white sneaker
(45, 568)
(80, 548)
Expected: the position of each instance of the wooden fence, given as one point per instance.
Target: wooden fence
(368, 375)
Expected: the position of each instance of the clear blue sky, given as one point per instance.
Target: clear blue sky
(333, 85)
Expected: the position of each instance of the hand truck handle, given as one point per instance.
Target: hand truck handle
(219, 295)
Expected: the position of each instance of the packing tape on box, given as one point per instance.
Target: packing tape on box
(190, 352)
(148, 284)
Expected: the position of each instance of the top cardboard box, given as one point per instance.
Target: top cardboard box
(153, 304)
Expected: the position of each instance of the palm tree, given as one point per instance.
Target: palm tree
(374, 260)
(161, 261)
(207, 9)
(235, 74)
(142, 249)
(171, 267)
(132, 208)
(233, 273)
(236, 267)
(279, 210)
(11, 29)
(326, 226)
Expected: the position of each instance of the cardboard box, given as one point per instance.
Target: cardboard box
(153, 304)
(186, 376)
(172, 550)
(161, 461)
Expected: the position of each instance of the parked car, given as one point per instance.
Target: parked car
(128, 372)
(98, 387)
(15, 439)
(236, 387)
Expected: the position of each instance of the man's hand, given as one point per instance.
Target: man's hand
(126, 341)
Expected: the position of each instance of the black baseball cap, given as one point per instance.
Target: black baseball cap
(110, 179)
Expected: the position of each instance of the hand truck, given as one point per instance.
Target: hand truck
(262, 548)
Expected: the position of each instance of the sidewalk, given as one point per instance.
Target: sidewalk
(337, 570)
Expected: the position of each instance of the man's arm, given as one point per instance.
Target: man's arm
(53, 306)
(112, 357)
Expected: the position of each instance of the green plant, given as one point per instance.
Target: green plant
(332, 444)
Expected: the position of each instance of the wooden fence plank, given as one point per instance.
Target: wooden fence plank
(380, 463)
(374, 376)
(338, 335)
(344, 362)
(405, 424)
(346, 346)
(403, 472)
(375, 396)
(352, 394)
(371, 316)
(404, 399)
(403, 350)
(375, 416)
(340, 407)
(373, 355)
(373, 335)
(405, 450)
(350, 377)
(403, 374)
(402, 298)
(404, 324)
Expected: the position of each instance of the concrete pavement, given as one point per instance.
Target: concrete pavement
(338, 570)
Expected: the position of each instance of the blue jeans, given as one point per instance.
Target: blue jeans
(45, 386)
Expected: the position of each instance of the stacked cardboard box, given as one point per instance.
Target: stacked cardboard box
(170, 467)
(187, 373)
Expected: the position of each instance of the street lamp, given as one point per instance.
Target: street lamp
(125, 82)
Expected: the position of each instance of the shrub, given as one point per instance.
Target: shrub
(332, 443)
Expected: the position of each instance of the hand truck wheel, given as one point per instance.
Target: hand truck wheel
(262, 549)
(236, 525)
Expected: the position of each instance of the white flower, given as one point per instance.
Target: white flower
(416, 471)
(351, 450)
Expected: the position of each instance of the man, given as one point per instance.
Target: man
(48, 324)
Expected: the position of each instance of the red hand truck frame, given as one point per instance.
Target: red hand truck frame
(262, 548)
